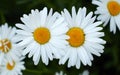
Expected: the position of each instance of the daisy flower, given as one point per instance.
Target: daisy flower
(84, 38)
(8, 48)
(108, 10)
(60, 73)
(44, 35)
(14, 69)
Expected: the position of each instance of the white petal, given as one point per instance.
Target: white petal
(96, 34)
(49, 52)
(112, 25)
(24, 33)
(33, 51)
(73, 16)
(66, 56)
(43, 16)
(29, 48)
(86, 20)
(92, 26)
(94, 30)
(44, 56)
(117, 20)
(12, 33)
(78, 17)
(73, 57)
(91, 50)
(25, 41)
(56, 51)
(58, 22)
(67, 16)
(83, 55)
(78, 63)
(36, 55)
(51, 20)
(24, 27)
(97, 3)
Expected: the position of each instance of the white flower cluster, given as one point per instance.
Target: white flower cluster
(62, 73)
(46, 35)
(11, 59)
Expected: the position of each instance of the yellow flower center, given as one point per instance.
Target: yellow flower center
(77, 36)
(113, 7)
(9, 66)
(5, 45)
(41, 35)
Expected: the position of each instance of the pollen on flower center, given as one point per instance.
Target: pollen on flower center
(114, 8)
(9, 66)
(5, 45)
(77, 37)
(41, 35)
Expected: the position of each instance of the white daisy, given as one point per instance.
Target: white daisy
(8, 48)
(44, 35)
(14, 69)
(84, 38)
(60, 73)
(108, 10)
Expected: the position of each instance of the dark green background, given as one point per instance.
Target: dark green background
(107, 64)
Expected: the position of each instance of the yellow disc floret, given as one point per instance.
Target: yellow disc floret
(5, 45)
(77, 36)
(9, 66)
(41, 35)
(113, 8)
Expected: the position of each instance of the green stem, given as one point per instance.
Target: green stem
(33, 71)
(2, 18)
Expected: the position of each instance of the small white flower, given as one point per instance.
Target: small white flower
(86, 72)
(84, 38)
(44, 35)
(15, 69)
(108, 10)
(60, 73)
(8, 48)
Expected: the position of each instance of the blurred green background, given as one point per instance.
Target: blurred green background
(107, 64)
